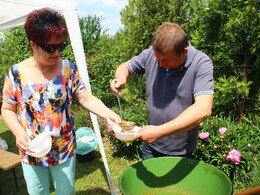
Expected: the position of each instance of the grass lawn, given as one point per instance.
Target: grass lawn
(90, 176)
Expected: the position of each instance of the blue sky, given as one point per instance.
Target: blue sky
(108, 9)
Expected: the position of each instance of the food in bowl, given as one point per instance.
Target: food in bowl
(127, 125)
(125, 135)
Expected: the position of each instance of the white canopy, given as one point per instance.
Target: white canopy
(14, 12)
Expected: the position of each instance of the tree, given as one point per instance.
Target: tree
(91, 31)
(228, 31)
(142, 17)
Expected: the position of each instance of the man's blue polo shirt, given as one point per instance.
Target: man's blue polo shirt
(170, 92)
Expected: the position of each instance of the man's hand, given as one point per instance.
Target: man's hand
(116, 85)
(149, 134)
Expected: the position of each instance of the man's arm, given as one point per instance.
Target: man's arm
(121, 75)
(187, 120)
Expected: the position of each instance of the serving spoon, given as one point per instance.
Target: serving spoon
(119, 103)
(125, 125)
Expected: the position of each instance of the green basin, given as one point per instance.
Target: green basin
(175, 176)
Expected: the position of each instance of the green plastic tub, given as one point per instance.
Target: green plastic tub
(174, 176)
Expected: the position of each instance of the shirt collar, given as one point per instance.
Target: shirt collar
(190, 56)
(188, 61)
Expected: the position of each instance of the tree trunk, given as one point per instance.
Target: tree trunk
(244, 77)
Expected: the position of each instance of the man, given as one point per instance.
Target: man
(179, 86)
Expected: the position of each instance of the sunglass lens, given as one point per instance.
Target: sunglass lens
(61, 46)
(51, 48)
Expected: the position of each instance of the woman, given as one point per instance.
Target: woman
(37, 97)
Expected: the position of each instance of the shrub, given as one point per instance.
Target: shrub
(233, 148)
(101, 69)
(228, 92)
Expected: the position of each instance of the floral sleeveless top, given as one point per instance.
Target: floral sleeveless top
(46, 107)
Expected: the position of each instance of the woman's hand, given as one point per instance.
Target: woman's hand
(112, 118)
(23, 141)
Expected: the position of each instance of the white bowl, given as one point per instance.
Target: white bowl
(125, 135)
(40, 145)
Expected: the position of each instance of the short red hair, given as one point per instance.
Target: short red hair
(43, 24)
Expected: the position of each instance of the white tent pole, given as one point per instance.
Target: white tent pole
(77, 45)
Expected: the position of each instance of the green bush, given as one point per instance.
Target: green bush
(101, 69)
(228, 92)
(216, 148)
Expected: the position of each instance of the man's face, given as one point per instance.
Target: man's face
(170, 60)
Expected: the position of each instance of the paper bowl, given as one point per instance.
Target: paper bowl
(40, 145)
(125, 135)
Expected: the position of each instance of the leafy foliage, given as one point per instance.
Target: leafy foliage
(215, 149)
(228, 31)
(228, 92)
(101, 70)
(141, 18)
(91, 31)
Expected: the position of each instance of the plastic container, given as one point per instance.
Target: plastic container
(125, 135)
(41, 145)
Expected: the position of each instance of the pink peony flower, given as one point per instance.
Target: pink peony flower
(201, 124)
(204, 135)
(234, 156)
(249, 145)
(229, 146)
(215, 147)
(222, 130)
(109, 128)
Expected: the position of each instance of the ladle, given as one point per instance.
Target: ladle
(125, 125)
(119, 103)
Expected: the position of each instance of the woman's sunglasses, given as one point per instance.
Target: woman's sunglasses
(51, 48)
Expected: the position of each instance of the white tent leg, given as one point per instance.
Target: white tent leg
(77, 45)
(101, 147)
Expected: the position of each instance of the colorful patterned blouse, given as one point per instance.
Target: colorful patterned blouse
(46, 107)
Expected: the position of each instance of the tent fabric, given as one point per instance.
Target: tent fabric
(14, 12)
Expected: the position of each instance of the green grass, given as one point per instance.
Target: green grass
(90, 176)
